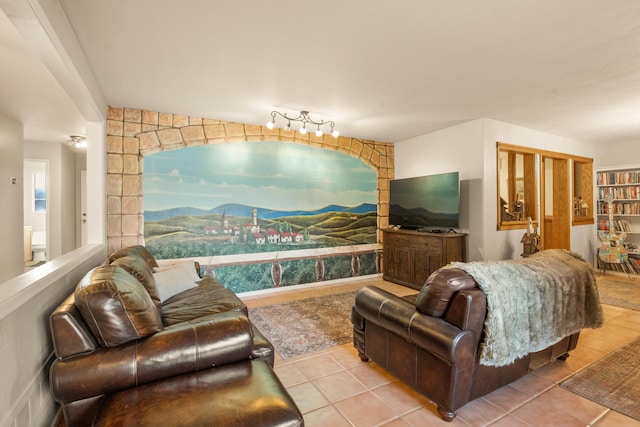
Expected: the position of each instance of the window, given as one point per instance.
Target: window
(39, 192)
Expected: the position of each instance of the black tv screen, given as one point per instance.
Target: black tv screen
(427, 203)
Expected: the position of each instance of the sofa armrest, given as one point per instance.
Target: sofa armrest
(182, 348)
(399, 316)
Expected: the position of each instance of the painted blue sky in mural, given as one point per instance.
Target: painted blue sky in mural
(271, 175)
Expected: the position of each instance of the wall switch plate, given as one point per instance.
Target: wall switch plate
(14, 180)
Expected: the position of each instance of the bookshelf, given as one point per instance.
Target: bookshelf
(622, 187)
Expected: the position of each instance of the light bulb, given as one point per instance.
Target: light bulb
(335, 133)
(318, 132)
(303, 129)
(271, 124)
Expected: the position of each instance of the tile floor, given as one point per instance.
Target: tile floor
(334, 388)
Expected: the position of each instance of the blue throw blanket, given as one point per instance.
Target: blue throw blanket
(534, 303)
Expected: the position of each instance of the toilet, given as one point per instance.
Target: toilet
(39, 245)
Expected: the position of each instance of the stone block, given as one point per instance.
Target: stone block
(115, 113)
(114, 225)
(180, 121)
(148, 140)
(169, 136)
(114, 144)
(114, 163)
(150, 117)
(131, 205)
(131, 129)
(130, 225)
(214, 131)
(130, 164)
(192, 133)
(130, 145)
(165, 119)
(114, 184)
(131, 185)
(114, 128)
(234, 129)
(132, 115)
(114, 205)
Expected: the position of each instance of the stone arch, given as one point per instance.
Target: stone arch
(132, 134)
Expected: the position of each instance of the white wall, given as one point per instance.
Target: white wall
(457, 148)
(11, 218)
(616, 155)
(470, 148)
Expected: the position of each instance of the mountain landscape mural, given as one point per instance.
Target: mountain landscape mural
(230, 199)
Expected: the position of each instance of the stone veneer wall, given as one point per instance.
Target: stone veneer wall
(132, 134)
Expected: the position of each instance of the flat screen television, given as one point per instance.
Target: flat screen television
(426, 203)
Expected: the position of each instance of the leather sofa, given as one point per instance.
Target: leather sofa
(432, 340)
(126, 357)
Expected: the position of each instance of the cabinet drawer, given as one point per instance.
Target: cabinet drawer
(398, 239)
(428, 243)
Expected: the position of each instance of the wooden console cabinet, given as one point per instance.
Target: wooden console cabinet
(409, 257)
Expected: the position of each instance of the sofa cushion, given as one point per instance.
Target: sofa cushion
(440, 288)
(209, 297)
(137, 250)
(116, 306)
(175, 278)
(138, 268)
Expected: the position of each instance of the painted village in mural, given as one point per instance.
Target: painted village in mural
(230, 199)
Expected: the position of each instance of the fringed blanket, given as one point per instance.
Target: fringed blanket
(534, 303)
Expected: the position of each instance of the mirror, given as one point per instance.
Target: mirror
(583, 205)
(516, 187)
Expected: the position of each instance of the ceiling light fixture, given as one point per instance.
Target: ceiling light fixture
(303, 118)
(77, 141)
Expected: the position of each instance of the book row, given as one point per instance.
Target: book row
(618, 178)
(621, 193)
(632, 208)
(620, 225)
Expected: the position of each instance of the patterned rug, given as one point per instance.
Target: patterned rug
(305, 326)
(613, 381)
(619, 293)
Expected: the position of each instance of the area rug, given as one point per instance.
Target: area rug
(619, 293)
(305, 326)
(613, 381)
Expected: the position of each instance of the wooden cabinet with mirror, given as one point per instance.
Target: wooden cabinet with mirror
(566, 195)
(517, 196)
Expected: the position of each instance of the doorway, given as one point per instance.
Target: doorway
(555, 194)
(35, 211)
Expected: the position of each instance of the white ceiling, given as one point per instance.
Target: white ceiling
(382, 70)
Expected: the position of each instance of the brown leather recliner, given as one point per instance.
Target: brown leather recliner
(115, 343)
(431, 340)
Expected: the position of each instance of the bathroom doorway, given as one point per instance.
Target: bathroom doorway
(35, 211)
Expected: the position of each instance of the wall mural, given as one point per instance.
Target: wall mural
(227, 199)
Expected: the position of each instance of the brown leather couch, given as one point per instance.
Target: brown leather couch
(117, 345)
(431, 340)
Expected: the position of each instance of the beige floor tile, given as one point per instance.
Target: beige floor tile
(480, 412)
(307, 397)
(365, 410)
(372, 375)
(318, 366)
(346, 355)
(400, 397)
(427, 416)
(339, 386)
(398, 422)
(542, 412)
(507, 398)
(616, 419)
(325, 417)
(290, 374)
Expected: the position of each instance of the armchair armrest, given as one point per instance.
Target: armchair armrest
(210, 341)
(432, 334)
